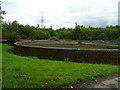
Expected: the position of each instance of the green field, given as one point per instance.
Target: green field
(30, 72)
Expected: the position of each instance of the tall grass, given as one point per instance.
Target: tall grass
(27, 72)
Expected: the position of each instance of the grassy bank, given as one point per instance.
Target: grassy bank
(27, 72)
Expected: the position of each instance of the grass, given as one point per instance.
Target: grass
(27, 72)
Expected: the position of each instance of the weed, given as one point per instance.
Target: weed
(66, 59)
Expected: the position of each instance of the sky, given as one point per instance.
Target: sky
(62, 13)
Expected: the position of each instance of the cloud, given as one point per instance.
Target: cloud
(62, 13)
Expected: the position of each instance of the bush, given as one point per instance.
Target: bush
(54, 38)
(116, 40)
(23, 36)
(12, 37)
(4, 35)
(39, 34)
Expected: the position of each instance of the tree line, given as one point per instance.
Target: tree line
(13, 31)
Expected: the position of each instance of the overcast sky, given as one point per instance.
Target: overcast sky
(62, 13)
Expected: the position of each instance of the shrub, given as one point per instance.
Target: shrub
(116, 40)
(39, 34)
(4, 35)
(54, 38)
(23, 37)
(12, 37)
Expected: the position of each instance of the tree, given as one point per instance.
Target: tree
(76, 34)
(26, 30)
(47, 35)
(1, 12)
(14, 26)
(50, 31)
(12, 37)
(39, 34)
(66, 34)
(102, 36)
(1, 18)
(38, 26)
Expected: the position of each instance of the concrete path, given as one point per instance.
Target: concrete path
(110, 82)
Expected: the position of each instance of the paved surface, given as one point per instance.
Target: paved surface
(109, 82)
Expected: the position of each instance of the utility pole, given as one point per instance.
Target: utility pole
(42, 20)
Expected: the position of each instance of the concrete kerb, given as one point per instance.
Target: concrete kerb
(20, 44)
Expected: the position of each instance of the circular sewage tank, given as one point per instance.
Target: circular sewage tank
(69, 50)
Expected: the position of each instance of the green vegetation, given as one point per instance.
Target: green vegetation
(38, 34)
(109, 33)
(12, 37)
(27, 72)
(2, 12)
